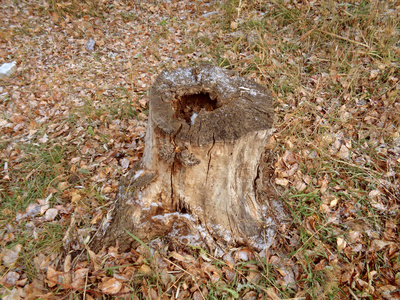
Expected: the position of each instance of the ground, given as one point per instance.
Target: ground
(73, 118)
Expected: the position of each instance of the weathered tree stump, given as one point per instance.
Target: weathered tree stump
(199, 179)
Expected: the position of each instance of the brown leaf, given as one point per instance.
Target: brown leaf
(75, 196)
(62, 185)
(10, 256)
(67, 263)
(341, 243)
(145, 269)
(51, 214)
(94, 259)
(228, 259)
(282, 181)
(79, 278)
(272, 294)
(9, 279)
(229, 273)
(52, 277)
(180, 257)
(244, 254)
(344, 152)
(110, 286)
(353, 236)
(377, 245)
(197, 296)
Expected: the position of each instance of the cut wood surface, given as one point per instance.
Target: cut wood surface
(200, 179)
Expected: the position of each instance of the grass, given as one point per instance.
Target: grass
(333, 68)
(40, 168)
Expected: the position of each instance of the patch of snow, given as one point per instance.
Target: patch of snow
(7, 69)
(166, 216)
(90, 44)
(252, 92)
(193, 117)
(137, 174)
(209, 14)
(152, 204)
(207, 77)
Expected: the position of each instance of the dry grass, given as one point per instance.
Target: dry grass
(71, 120)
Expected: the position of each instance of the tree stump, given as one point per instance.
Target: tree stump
(199, 180)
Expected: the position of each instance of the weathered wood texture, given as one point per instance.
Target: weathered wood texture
(200, 178)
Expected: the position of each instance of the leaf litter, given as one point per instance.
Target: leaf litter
(73, 117)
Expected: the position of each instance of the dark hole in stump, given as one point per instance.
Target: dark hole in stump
(188, 106)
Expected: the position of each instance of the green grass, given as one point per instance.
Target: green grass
(332, 70)
(40, 168)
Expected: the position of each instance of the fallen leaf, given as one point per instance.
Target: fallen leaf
(124, 163)
(282, 181)
(341, 243)
(272, 294)
(344, 152)
(145, 269)
(234, 25)
(377, 245)
(9, 279)
(244, 254)
(79, 278)
(334, 202)
(10, 256)
(51, 214)
(52, 277)
(75, 196)
(353, 236)
(110, 286)
(62, 185)
(67, 263)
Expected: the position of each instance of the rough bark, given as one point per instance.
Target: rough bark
(200, 178)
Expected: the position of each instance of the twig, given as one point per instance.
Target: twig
(84, 291)
(323, 226)
(354, 295)
(343, 38)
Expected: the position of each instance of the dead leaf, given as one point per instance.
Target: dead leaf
(272, 294)
(353, 236)
(79, 278)
(229, 273)
(377, 245)
(51, 214)
(110, 286)
(300, 185)
(344, 152)
(93, 258)
(54, 16)
(244, 254)
(145, 269)
(124, 163)
(75, 196)
(52, 277)
(62, 185)
(234, 25)
(334, 202)
(282, 181)
(373, 74)
(67, 263)
(197, 296)
(341, 243)
(9, 279)
(10, 256)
